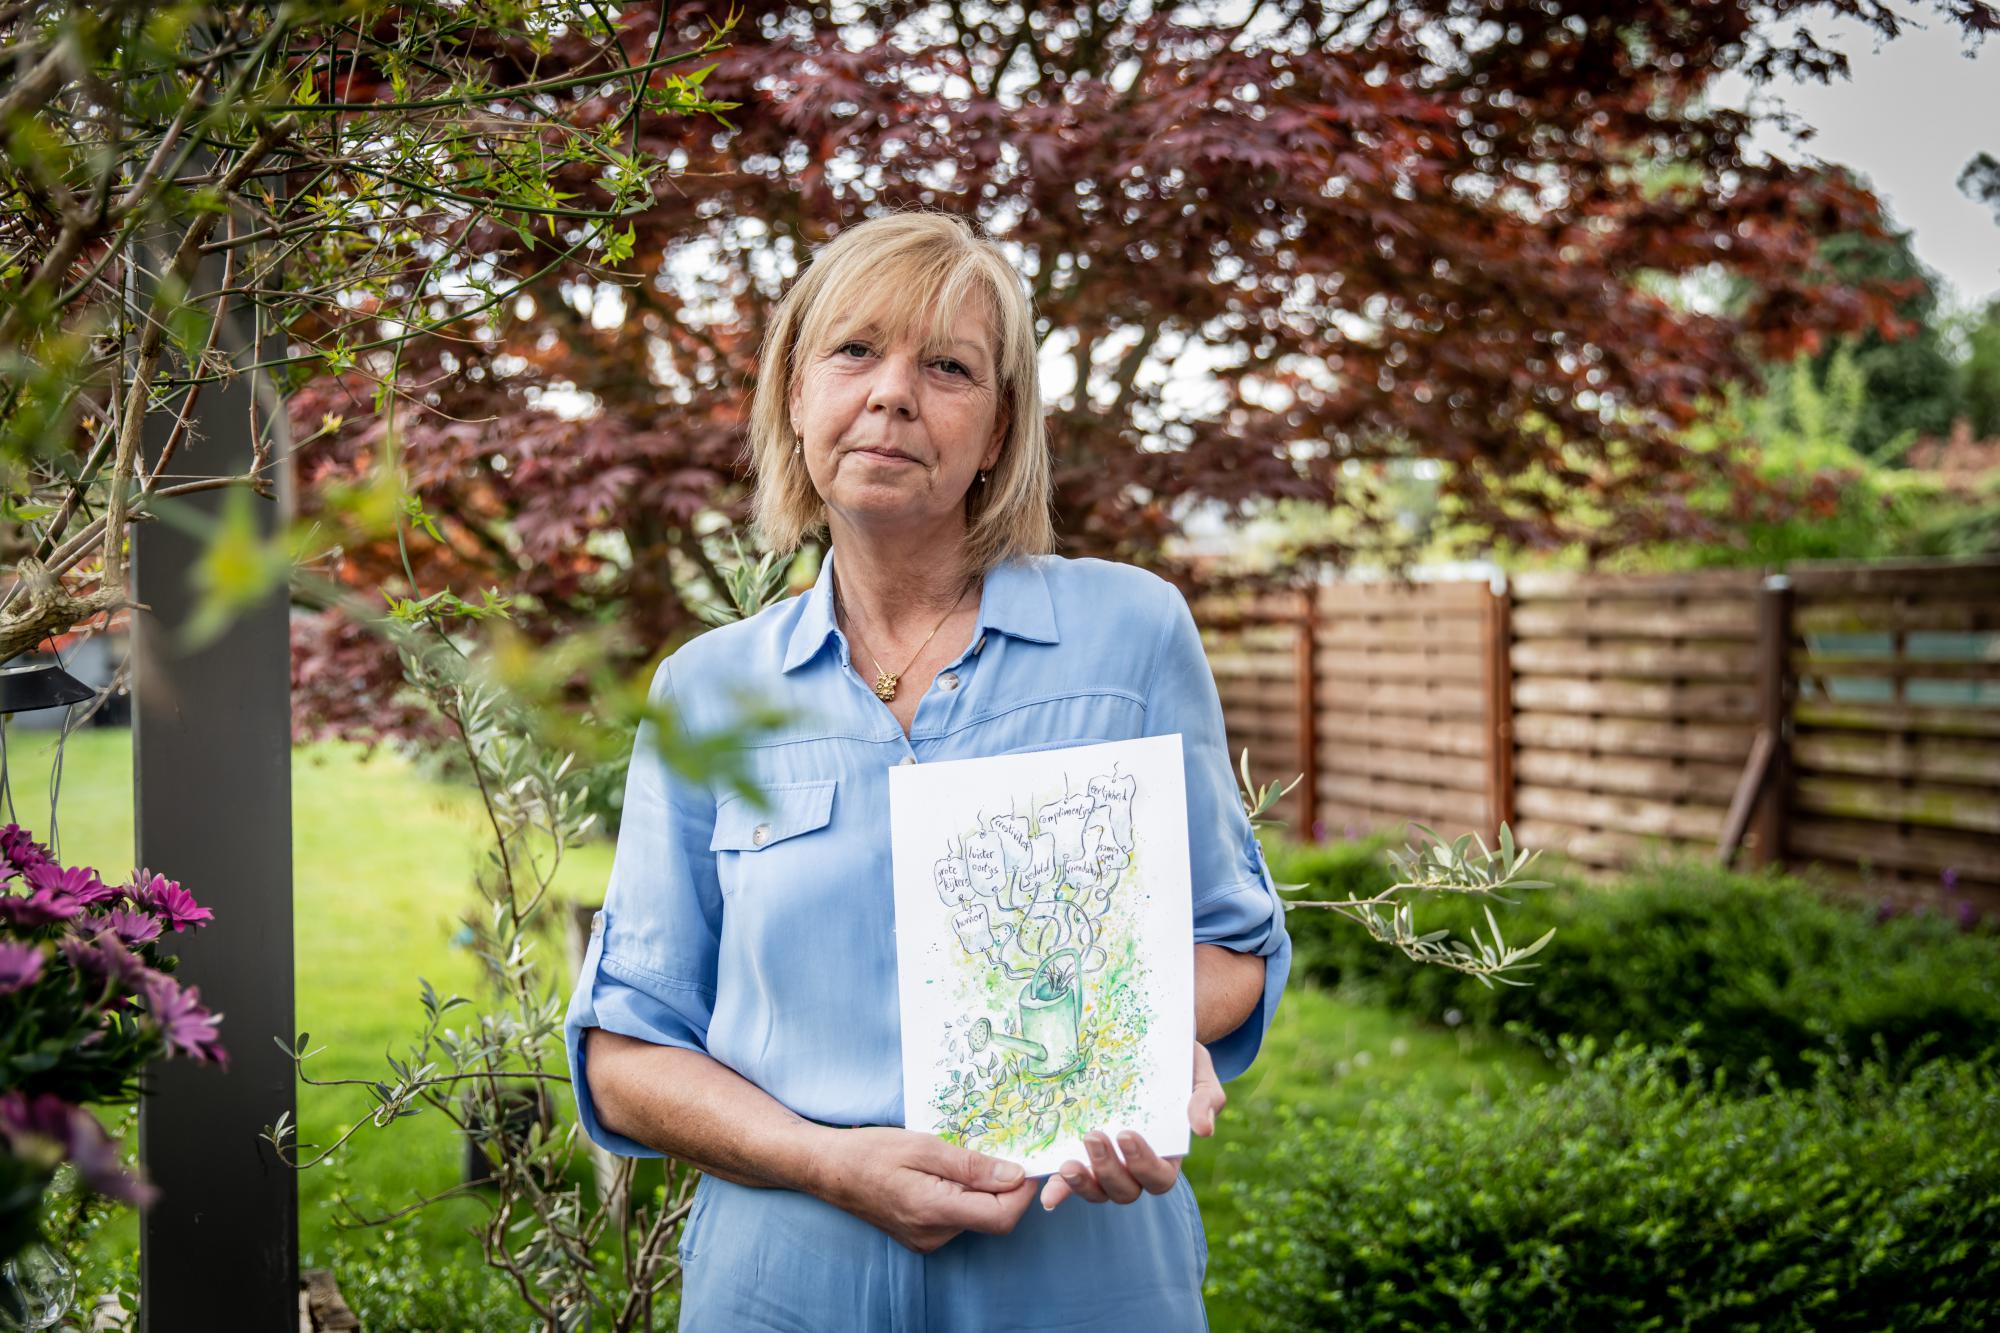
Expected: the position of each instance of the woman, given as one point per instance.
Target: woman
(738, 1007)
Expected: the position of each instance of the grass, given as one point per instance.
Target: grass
(383, 870)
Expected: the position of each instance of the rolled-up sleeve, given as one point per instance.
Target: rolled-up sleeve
(1236, 902)
(649, 971)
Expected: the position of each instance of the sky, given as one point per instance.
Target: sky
(1912, 114)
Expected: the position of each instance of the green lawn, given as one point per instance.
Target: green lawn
(383, 871)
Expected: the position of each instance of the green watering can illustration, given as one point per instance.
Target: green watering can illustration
(1051, 1019)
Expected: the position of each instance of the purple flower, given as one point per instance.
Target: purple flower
(20, 848)
(45, 906)
(78, 882)
(103, 958)
(174, 905)
(20, 965)
(134, 928)
(187, 1026)
(1949, 878)
(47, 1128)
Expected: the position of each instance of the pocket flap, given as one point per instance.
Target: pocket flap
(792, 808)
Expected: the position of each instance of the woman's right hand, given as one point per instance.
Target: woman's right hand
(918, 1188)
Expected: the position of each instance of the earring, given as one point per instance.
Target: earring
(982, 478)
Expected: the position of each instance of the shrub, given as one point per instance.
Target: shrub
(1324, 943)
(1767, 965)
(394, 1286)
(1640, 1192)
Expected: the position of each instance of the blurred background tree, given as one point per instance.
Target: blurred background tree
(1282, 251)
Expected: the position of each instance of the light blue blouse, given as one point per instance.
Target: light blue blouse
(765, 937)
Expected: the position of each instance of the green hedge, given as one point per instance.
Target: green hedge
(1641, 1192)
(1768, 966)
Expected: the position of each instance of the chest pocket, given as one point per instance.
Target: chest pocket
(793, 809)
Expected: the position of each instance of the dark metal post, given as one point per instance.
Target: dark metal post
(1774, 670)
(211, 767)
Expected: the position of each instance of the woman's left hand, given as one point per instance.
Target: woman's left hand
(1105, 1178)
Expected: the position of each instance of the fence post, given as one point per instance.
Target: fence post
(1774, 671)
(1306, 669)
(1499, 673)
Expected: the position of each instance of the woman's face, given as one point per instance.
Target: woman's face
(894, 437)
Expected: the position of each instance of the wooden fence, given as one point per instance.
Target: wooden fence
(1841, 716)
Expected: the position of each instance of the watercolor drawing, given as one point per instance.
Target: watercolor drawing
(1044, 947)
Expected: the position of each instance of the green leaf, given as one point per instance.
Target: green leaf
(1534, 948)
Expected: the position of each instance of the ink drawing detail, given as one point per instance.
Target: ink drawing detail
(1046, 970)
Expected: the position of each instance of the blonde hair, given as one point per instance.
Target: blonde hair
(908, 273)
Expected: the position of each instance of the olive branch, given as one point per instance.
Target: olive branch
(1436, 866)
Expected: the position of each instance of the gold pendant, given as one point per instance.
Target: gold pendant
(885, 687)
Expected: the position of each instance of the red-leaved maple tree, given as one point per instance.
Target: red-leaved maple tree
(1271, 245)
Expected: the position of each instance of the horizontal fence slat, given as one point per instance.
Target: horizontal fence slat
(1932, 851)
(1255, 692)
(1274, 609)
(1665, 779)
(1935, 759)
(1253, 666)
(1893, 668)
(1932, 579)
(1646, 619)
(1352, 598)
(1898, 717)
(1600, 846)
(1721, 741)
(1338, 730)
(1888, 615)
(1406, 800)
(1932, 805)
(1565, 585)
(1573, 694)
(1621, 814)
(1454, 664)
(1404, 699)
(1395, 763)
(1265, 741)
(1462, 635)
(1678, 661)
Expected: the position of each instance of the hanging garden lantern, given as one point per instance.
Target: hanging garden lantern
(26, 686)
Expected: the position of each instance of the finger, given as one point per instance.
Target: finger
(995, 1214)
(1054, 1192)
(1078, 1180)
(1112, 1177)
(1208, 1098)
(1152, 1171)
(971, 1169)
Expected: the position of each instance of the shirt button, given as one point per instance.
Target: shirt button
(759, 834)
(948, 681)
(907, 759)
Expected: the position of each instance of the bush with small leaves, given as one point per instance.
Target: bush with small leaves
(1767, 965)
(1645, 1191)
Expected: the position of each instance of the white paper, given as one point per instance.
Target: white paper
(1045, 948)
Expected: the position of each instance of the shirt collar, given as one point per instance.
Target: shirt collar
(1014, 600)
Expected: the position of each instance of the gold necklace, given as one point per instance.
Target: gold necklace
(885, 682)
